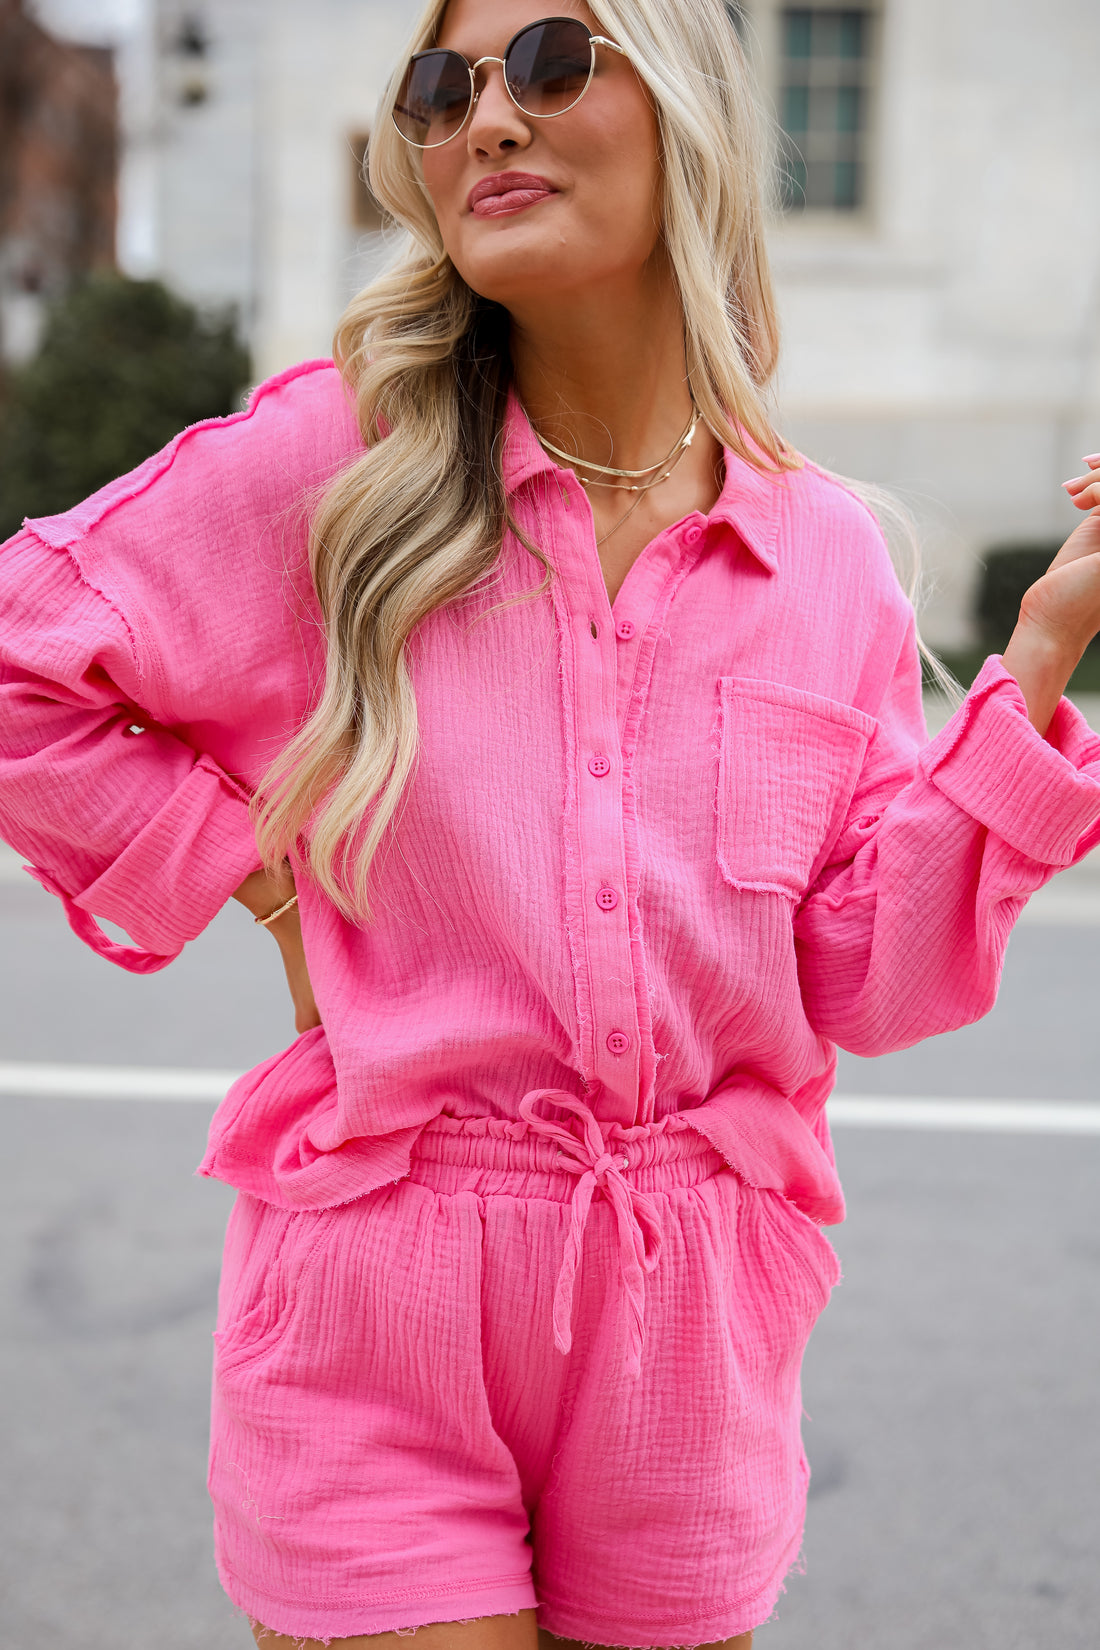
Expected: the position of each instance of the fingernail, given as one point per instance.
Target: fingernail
(1091, 458)
(1072, 482)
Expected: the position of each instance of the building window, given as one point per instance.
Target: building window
(367, 213)
(824, 106)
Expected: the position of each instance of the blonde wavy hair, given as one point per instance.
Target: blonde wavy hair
(418, 519)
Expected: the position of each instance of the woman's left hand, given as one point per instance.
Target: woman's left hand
(1060, 613)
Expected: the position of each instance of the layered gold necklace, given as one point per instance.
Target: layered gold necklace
(643, 480)
(626, 481)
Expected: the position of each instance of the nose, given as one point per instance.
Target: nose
(495, 124)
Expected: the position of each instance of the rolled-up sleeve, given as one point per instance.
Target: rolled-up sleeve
(118, 817)
(903, 934)
(1039, 795)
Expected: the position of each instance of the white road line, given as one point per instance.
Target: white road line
(31, 1080)
(884, 1111)
(1060, 907)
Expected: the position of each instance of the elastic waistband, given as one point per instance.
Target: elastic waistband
(571, 1157)
(497, 1156)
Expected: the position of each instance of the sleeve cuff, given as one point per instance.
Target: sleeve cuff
(174, 877)
(1030, 791)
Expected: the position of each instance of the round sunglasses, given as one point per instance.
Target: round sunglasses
(548, 67)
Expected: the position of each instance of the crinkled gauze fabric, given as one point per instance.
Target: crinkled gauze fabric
(395, 1439)
(656, 860)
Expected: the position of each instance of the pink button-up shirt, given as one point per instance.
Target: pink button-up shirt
(660, 856)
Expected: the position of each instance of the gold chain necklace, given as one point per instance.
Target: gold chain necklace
(641, 492)
(671, 457)
(622, 521)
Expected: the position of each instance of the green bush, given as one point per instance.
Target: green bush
(123, 367)
(1007, 571)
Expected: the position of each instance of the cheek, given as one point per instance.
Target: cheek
(619, 151)
(622, 195)
(441, 179)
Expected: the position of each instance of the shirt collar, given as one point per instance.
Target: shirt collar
(750, 500)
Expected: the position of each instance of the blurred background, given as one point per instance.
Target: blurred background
(938, 259)
(183, 213)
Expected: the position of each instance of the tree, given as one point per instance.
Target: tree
(123, 367)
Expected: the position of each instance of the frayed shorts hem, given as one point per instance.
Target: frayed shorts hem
(500, 1596)
(625, 1632)
(507, 1596)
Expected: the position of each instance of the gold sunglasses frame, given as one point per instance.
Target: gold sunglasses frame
(594, 40)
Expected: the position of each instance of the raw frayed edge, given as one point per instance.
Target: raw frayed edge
(601, 1644)
(402, 1632)
(459, 1621)
(797, 1568)
(260, 1633)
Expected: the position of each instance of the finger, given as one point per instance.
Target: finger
(1092, 460)
(1083, 541)
(1084, 491)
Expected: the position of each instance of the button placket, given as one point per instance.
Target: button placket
(601, 864)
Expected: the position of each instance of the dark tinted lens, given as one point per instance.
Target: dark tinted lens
(549, 65)
(434, 98)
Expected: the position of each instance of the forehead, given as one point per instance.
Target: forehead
(481, 28)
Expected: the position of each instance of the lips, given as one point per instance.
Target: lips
(507, 192)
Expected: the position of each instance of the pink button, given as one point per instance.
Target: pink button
(693, 535)
(618, 1042)
(625, 629)
(607, 899)
(599, 765)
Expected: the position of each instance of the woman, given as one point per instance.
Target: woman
(607, 814)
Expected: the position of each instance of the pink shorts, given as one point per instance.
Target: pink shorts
(398, 1437)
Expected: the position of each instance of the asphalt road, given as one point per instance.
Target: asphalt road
(951, 1386)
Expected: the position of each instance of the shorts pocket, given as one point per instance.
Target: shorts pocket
(788, 765)
(270, 1257)
(784, 1272)
(806, 1244)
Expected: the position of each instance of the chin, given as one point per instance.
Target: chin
(518, 277)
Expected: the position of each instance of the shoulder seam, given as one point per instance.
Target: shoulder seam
(70, 526)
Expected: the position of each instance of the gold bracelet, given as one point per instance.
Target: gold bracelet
(263, 921)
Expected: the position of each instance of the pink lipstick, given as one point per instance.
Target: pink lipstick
(508, 192)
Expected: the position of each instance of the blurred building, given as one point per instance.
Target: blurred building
(249, 157)
(938, 256)
(939, 266)
(58, 162)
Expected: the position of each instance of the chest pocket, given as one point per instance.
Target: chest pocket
(788, 766)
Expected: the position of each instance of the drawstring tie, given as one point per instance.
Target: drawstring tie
(599, 1170)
